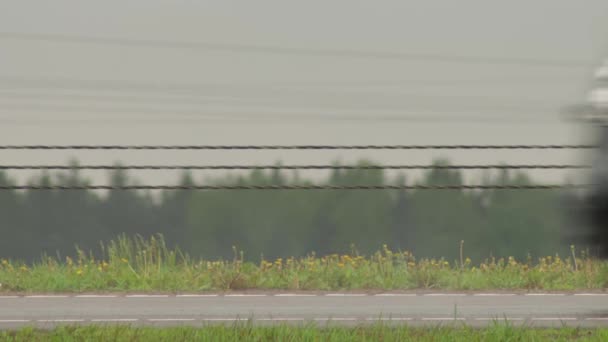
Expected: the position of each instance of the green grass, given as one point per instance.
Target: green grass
(140, 264)
(306, 333)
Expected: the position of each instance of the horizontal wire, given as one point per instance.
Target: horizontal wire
(285, 167)
(276, 49)
(123, 85)
(293, 187)
(291, 147)
(259, 115)
(197, 106)
(467, 100)
(279, 121)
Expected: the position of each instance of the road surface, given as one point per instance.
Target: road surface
(416, 309)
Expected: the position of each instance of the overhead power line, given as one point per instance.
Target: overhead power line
(262, 115)
(168, 86)
(281, 50)
(471, 101)
(241, 109)
(292, 147)
(267, 121)
(295, 187)
(205, 118)
(288, 167)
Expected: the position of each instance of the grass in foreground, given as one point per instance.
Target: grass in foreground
(308, 333)
(148, 265)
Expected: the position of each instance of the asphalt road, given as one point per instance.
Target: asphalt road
(475, 309)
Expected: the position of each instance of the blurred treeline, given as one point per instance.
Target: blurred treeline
(429, 223)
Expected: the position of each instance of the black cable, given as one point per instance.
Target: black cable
(287, 167)
(293, 147)
(294, 187)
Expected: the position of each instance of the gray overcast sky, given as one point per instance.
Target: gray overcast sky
(61, 93)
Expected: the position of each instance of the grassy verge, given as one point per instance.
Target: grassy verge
(148, 265)
(309, 333)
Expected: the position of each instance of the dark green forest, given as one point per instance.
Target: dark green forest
(429, 223)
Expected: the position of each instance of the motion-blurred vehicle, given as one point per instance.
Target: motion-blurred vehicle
(597, 200)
